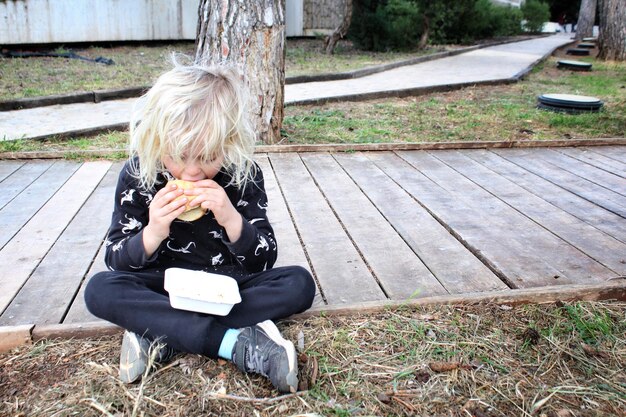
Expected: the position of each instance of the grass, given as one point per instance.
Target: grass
(138, 65)
(562, 359)
(135, 66)
(473, 114)
(305, 57)
(494, 113)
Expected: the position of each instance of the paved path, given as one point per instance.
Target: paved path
(484, 65)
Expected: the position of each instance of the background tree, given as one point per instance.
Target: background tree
(536, 13)
(612, 40)
(586, 19)
(331, 40)
(249, 34)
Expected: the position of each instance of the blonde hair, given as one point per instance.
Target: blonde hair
(193, 111)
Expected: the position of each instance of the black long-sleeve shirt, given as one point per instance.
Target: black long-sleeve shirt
(200, 245)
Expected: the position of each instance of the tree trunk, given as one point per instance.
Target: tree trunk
(425, 34)
(249, 34)
(612, 41)
(342, 29)
(586, 19)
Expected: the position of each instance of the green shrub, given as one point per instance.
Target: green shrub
(398, 24)
(381, 25)
(506, 21)
(536, 13)
(464, 21)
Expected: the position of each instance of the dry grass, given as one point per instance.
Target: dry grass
(485, 113)
(484, 360)
(138, 65)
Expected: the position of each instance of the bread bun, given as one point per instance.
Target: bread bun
(191, 213)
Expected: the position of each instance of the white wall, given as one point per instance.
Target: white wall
(59, 21)
(294, 18)
(514, 3)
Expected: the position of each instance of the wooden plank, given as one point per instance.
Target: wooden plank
(432, 243)
(23, 253)
(590, 213)
(608, 180)
(9, 167)
(362, 147)
(617, 153)
(16, 214)
(596, 159)
(14, 336)
(611, 290)
(510, 259)
(80, 240)
(566, 180)
(396, 267)
(78, 312)
(513, 226)
(343, 276)
(21, 178)
(75, 330)
(603, 248)
(289, 247)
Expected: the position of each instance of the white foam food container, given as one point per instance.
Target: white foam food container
(200, 291)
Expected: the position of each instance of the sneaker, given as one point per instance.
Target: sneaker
(135, 356)
(261, 349)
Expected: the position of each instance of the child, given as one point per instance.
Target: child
(193, 127)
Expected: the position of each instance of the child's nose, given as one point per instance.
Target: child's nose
(191, 172)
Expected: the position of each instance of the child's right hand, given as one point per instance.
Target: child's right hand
(164, 208)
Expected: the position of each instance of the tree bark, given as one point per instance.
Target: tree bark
(425, 34)
(331, 41)
(612, 40)
(586, 19)
(249, 34)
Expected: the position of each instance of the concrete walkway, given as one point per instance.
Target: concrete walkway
(489, 65)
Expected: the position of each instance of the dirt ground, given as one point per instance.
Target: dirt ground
(553, 360)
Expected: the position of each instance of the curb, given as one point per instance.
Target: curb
(412, 61)
(342, 147)
(418, 91)
(114, 94)
(614, 289)
(95, 96)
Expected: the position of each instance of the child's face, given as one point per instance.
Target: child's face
(193, 170)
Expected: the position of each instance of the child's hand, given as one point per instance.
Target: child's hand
(164, 208)
(212, 196)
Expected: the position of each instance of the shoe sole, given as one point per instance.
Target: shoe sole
(132, 367)
(272, 331)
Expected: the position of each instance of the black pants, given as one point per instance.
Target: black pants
(137, 302)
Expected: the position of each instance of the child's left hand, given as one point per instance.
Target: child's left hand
(212, 196)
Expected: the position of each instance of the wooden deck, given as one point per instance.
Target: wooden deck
(370, 226)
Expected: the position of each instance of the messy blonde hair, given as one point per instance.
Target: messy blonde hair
(193, 111)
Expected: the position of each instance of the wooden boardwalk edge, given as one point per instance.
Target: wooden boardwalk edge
(344, 147)
(615, 289)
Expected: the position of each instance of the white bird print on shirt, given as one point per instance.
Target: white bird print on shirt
(181, 250)
(131, 225)
(118, 245)
(262, 245)
(242, 203)
(217, 259)
(147, 196)
(127, 196)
